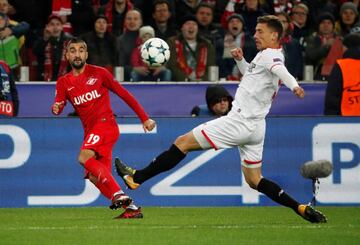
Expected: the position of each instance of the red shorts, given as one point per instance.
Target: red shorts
(101, 139)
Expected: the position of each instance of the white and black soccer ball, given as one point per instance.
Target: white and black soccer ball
(155, 52)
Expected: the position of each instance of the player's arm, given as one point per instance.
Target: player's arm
(289, 81)
(238, 56)
(60, 98)
(130, 100)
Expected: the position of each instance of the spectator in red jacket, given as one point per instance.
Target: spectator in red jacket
(140, 70)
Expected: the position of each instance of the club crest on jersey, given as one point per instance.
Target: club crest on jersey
(91, 81)
(78, 100)
(251, 67)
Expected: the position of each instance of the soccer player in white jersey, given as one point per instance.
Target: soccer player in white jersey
(243, 126)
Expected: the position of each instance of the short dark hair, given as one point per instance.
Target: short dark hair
(76, 40)
(204, 5)
(158, 2)
(272, 22)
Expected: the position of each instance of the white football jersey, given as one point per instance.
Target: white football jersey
(258, 86)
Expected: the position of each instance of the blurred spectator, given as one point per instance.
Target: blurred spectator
(302, 28)
(12, 35)
(219, 9)
(82, 16)
(13, 28)
(321, 6)
(129, 40)
(63, 8)
(101, 45)
(115, 11)
(162, 24)
(205, 16)
(50, 50)
(294, 61)
(9, 101)
(191, 54)
(9, 45)
(140, 70)
(343, 88)
(77, 16)
(34, 13)
(230, 7)
(349, 17)
(323, 47)
(148, 13)
(218, 102)
(183, 8)
(281, 6)
(250, 11)
(235, 37)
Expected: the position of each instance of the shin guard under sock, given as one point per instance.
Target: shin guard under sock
(104, 190)
(165, 161)
(102, 174)
(273, 191)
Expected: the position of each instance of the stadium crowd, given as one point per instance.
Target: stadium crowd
(200, 34)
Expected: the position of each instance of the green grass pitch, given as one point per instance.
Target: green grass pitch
(177, 225)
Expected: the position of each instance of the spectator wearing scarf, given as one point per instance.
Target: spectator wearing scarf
(50, 50)
(191, 54)
(323, 47)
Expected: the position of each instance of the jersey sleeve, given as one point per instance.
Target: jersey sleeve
(125, 95)
(271, 58)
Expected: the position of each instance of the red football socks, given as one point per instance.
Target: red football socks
(104, 190)
(106, 182)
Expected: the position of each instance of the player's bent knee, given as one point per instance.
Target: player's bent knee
(85, 155)
(181, 143)
(93, 179)
(187, 142)
(252, 185)
(252, 182)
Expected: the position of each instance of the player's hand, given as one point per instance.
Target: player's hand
(157, 70)
(141, 70)
(149, 125)
(57, 107)
(299, 92)
(237, 53)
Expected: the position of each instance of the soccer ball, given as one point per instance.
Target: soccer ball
(155, 52)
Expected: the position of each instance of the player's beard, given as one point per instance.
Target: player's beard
(77, 65)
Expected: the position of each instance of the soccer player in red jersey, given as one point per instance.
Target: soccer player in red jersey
(87, 87)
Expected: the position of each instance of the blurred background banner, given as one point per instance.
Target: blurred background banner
(170, 99)
(38, 163)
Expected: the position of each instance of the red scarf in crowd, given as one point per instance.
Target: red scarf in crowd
(109, 12)
(335, 52)
(61, 7)
(48, 63)
(201, 60)
(286, 39)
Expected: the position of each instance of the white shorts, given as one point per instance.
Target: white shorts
(231, 131)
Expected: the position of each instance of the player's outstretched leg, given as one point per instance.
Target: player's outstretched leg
(310, 214)
(274, 191)
(126, 173)
(163, 162)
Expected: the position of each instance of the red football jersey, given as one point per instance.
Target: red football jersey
(89, 95)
